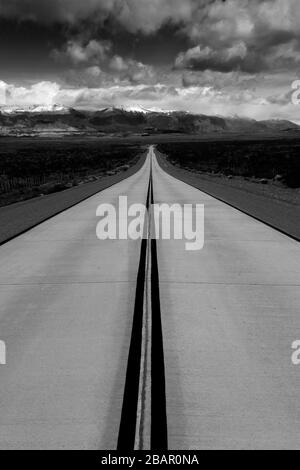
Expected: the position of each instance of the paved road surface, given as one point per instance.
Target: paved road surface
(230, 314)
(66, 305)
(21, 216)
(282, 215)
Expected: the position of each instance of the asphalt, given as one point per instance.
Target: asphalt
(281, 215)
(230, 313)
(19, 217)
(66, 305)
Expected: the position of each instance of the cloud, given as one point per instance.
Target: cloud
(149, 16)
(92, 76)
(92, 52)
(118, 64)
(39, 93)
(132, 70)
(133, 15)
(221, 30)
(94, 71)
(94, 60)
(230, 19)
(244, 20)
(234, 80)
(50, 11)
(235, 57)
(247, 35)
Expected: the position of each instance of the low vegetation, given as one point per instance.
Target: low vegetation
(276, 160)
(32, 168)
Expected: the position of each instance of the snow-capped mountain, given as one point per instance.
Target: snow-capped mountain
(35, 120)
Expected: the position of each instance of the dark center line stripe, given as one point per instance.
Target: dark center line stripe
(159, 428)
(127, 430)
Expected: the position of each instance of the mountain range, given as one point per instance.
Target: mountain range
(55, 120)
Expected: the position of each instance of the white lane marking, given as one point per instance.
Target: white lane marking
(143, 426)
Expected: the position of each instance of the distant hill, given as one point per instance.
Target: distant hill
(39, 120)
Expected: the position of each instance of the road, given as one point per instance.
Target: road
(66, 305)
(229, 312)
(258, 201)
(19, 217)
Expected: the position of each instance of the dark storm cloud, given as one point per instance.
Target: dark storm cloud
(135, 15)
(224, 35)
(243, 35)
(92, 52)
(141, 31)
(228, 59)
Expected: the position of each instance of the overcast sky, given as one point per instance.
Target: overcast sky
(204, 56)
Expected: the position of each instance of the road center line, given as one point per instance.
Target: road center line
(143, 423)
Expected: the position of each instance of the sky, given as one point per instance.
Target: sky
(216, 57)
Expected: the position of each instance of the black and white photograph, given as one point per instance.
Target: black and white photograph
(149, 228)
